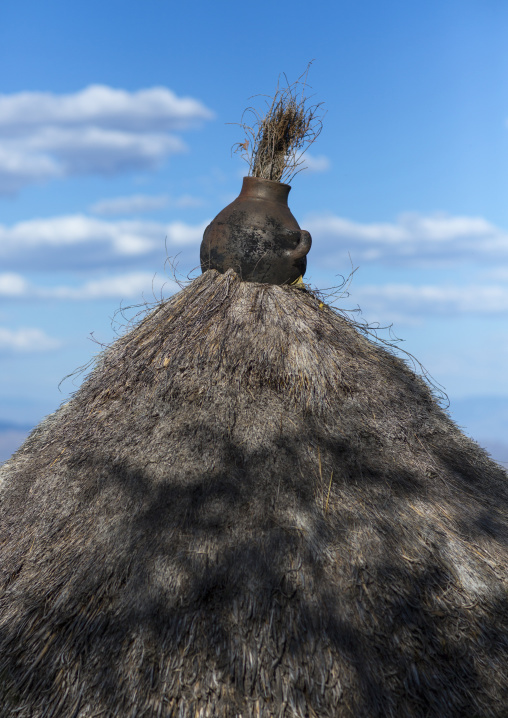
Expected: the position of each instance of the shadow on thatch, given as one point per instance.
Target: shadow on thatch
(250, 510)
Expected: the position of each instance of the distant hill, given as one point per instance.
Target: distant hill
(485, 419)
(12, 426)
(11, 437)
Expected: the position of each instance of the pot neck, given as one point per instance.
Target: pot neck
(266, 189)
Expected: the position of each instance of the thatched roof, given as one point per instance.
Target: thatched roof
(250, 509)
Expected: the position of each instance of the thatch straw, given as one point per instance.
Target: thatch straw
(248, 509)
(276, 142)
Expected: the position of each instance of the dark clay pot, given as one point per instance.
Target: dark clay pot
(257, 236)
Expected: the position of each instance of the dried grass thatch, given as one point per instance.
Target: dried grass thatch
(249, 509)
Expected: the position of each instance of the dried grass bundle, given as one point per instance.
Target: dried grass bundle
(276, 141)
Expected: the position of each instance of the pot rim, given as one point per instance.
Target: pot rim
(267, 181)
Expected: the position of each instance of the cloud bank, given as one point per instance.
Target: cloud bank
(315, 163)
(413, 239)
(134, 285)
(409, 301)
(99, 130)
(140, 203)
(27, 340)
(400, 300)
(82, 242)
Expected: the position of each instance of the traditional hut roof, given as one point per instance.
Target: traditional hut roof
(250, 509)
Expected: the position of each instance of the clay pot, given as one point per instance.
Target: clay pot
(257, 236)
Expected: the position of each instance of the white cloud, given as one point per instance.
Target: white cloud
(412, 239)
(19, 168)
(156, 108)
(90, 150)
(128, 286)
(80, 241)
(133, 204)
(499, 274)
(12, 285)
(187, 200)
(403, 301)
(318, 163)
(134, 285)
(181, 234)
(139, 203)
(406, 302)
(97, 130)
(26, 340)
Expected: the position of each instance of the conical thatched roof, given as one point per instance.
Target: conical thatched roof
(249, 509)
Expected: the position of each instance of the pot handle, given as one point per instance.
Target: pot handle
(303, 246)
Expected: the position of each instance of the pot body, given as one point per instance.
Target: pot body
(257, 236)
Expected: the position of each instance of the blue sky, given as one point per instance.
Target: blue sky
(115, 143)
